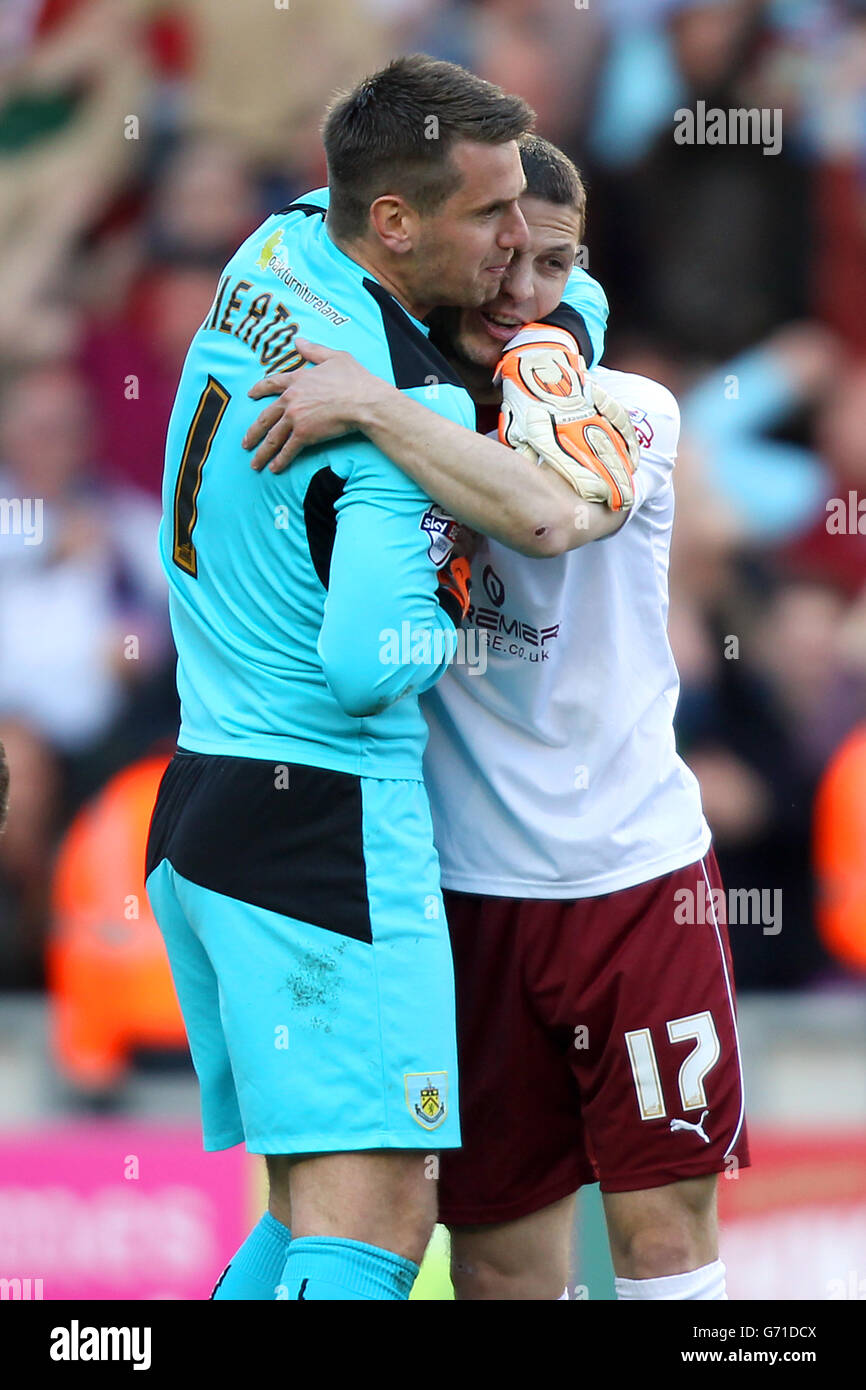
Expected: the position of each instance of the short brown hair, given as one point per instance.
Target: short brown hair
(394, 134)
(551, 175)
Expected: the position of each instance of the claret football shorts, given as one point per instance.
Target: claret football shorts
(304, 925)
(598, 1043)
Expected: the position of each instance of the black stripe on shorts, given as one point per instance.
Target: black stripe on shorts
(281, 836)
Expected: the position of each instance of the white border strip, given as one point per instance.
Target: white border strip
(733, 1011)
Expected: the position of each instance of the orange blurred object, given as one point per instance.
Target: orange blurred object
(840, 852)
(108, 972)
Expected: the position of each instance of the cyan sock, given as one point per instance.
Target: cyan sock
(255, 1270)
(327, 1268)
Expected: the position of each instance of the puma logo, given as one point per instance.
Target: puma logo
(698, 1128)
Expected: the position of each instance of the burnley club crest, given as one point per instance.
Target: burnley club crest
(427, 1097)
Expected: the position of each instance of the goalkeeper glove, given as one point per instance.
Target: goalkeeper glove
(554, 415)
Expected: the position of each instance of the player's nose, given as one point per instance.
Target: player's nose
(514, 232)
(517, 284)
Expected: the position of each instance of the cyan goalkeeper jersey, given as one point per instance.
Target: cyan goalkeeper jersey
(304, 606)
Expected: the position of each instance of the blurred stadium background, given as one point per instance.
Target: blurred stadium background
(140, 141)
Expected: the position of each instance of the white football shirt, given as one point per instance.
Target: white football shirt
(554, 773)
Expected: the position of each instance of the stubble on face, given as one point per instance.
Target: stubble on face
(472, 365)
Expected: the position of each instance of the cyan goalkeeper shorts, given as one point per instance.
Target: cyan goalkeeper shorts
(307, 938)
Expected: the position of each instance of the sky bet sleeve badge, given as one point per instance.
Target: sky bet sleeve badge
(442, 530)
(427, 1097)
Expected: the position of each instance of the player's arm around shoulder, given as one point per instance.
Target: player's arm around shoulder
(389, 617)
(428, 431)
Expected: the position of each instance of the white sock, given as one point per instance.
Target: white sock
(708, 1282)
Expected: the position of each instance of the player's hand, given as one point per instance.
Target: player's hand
(466, 543)
(552, 412)
(313, 405)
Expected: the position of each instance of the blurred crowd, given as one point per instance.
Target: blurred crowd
(141, 140)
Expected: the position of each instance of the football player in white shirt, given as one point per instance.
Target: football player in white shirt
(596, 1012)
